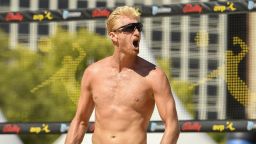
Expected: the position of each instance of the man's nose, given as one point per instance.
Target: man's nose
(136, 31)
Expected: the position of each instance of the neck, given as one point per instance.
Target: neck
(121, 61)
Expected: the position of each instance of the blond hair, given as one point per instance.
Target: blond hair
(127, 11)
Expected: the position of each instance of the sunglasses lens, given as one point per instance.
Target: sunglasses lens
(139, 27)
(131, 27)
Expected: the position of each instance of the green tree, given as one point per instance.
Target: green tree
(44, 85)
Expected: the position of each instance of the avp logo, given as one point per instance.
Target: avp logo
(250, 4)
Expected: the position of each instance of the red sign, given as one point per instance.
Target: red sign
(100, 13)
(14, 17)
(189, 8)
(191, 126)
(11, 128)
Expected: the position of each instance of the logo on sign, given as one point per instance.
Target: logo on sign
(45, 15)
(250, 4)
(66, 14)
(156, 10)
(64, 128)
(156, 126)
(222, 8)
(189, 8)
(229, 126)
(44, 128)
(11, 128)
(14, 16)
(100, 13)
(191, 126)
(250, 126)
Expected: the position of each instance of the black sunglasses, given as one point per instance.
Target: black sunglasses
(130, 27)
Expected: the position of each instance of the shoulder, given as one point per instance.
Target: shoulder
(157, 77)
(157, 74)
(95, 68)
(158, 81)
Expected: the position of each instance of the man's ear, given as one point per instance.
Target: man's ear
(113, 36)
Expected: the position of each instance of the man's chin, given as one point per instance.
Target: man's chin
(136, 49)
(136, 52)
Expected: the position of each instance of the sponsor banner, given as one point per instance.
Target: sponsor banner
(146, 11)
(218, 126)
(33, 128)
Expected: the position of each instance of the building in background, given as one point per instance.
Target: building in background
(195, 45)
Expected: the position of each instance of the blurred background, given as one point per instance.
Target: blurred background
(209, 60)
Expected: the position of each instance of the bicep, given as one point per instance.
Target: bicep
(166, 107)
(163, 97)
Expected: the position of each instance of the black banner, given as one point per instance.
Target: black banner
(146, 11)
(154, 127)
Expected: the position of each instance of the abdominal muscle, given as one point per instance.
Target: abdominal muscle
(118, 137)
(120, 126)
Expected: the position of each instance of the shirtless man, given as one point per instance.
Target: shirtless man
(123, 89)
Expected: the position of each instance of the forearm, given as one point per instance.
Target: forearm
(76, 132)
(170, 135)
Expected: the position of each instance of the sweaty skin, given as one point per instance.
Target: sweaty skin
(123, 89)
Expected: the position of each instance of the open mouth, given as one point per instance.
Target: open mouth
(136, 43)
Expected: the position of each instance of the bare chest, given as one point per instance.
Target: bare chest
(129, 90)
